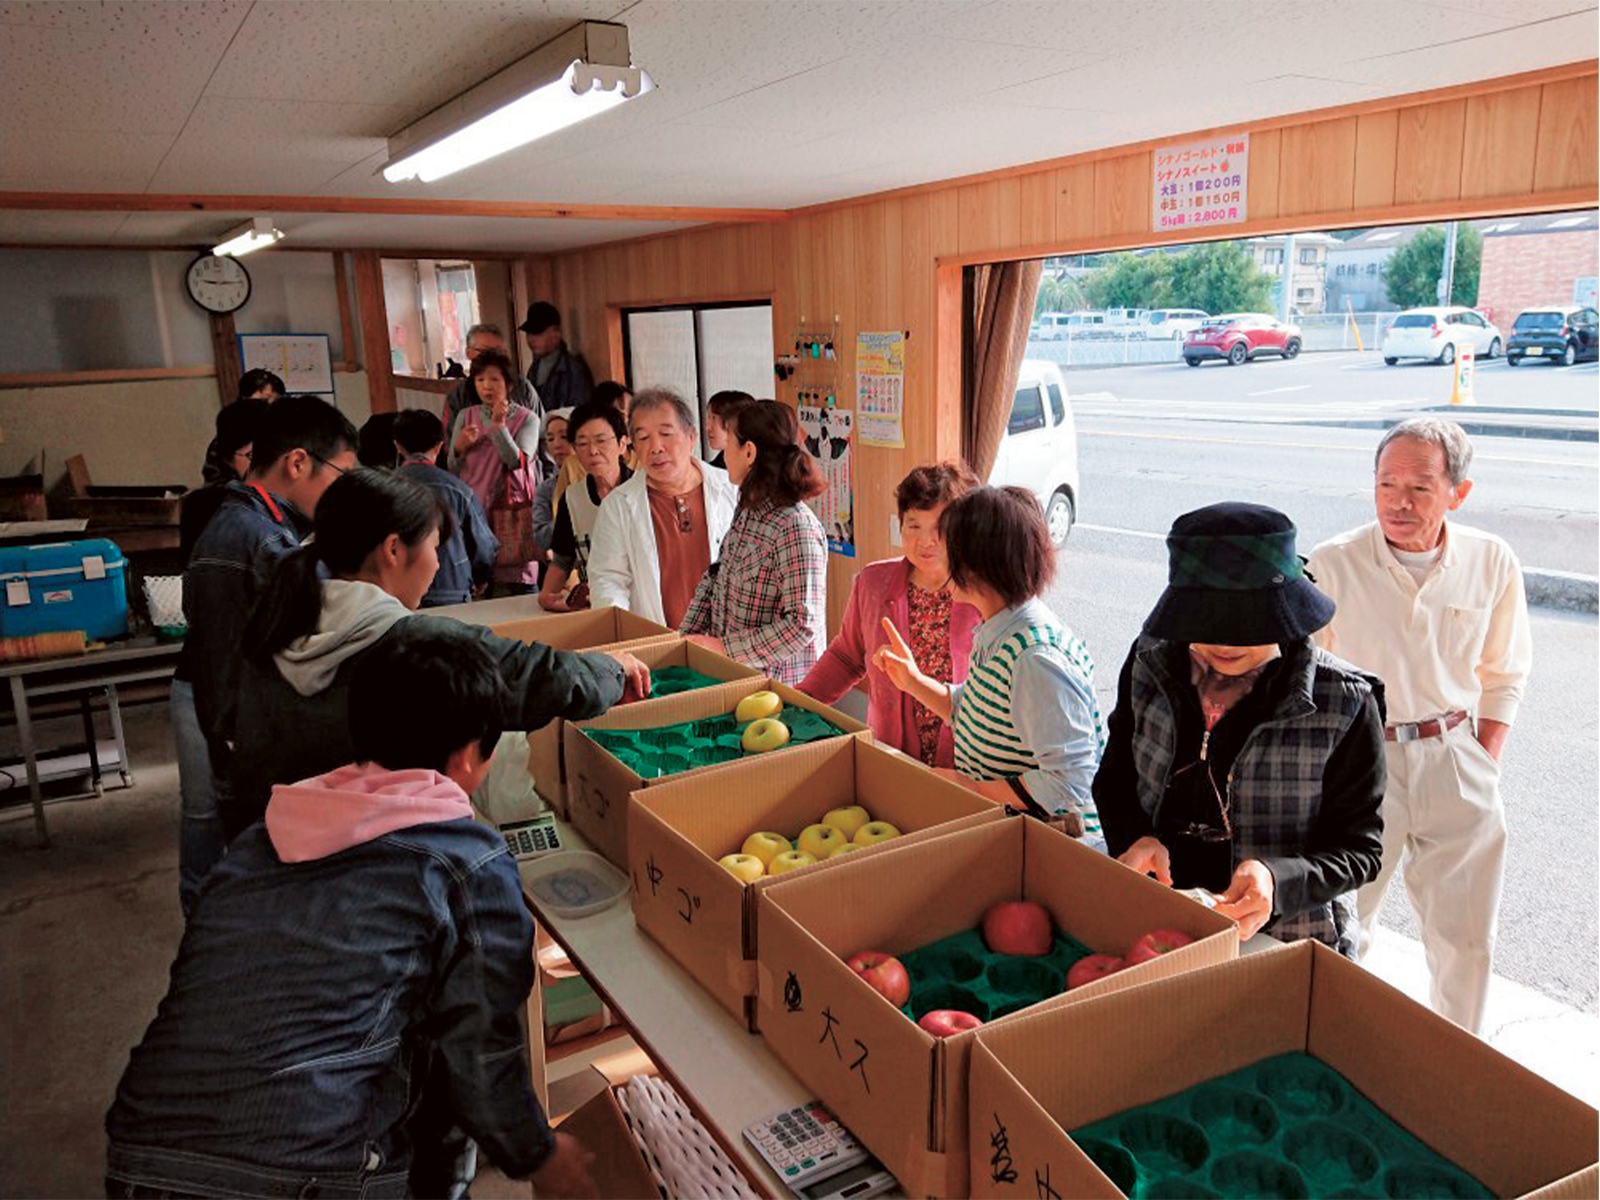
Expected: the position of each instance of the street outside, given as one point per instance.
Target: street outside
(1158, 440)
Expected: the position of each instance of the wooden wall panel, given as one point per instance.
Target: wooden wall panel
(978, 217)
(1566, 154)
(1036, 209)
(1266, 155)
(1428, 154)
(1497, 154)
(1122, 194)
(1074, 196)
(1377, 135)
(1317, 168)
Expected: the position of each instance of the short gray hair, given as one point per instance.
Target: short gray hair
(485, 327)
(1436, 431)
(659, 397)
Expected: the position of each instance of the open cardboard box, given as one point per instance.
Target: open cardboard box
(1516, 1133)
(598, 785)
(901, 1091)
(594, 630)
(677, 830)
(619, 1170)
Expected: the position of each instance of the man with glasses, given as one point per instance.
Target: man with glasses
(301, 446)
(1243, 760)
(600, 446)
(464, 395)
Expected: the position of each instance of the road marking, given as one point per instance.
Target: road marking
(1299, 387)
(1217, 441)
(1138, 533)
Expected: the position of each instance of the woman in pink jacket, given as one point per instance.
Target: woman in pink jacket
(914, 594)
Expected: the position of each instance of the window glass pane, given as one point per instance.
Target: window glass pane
(661, 352)
(736, 350)
(1058, 406)
(1027, 411)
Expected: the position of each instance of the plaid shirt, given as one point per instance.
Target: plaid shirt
(767, 597)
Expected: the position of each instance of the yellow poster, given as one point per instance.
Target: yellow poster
(881, 388)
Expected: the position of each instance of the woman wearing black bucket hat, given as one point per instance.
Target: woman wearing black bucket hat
(1242, 760)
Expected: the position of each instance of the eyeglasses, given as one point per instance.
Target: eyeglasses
(685, 517)
(599, 442)
(332, 465)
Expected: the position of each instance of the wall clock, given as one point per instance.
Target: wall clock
(218, 283)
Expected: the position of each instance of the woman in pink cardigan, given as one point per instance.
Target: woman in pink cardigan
(914, 594)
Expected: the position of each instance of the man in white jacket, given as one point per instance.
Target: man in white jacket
(658, 533)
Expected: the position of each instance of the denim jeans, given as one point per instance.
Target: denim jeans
(200, 841)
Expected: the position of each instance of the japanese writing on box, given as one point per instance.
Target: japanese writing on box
(1200, 184)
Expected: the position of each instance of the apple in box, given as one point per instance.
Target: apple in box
(1092, 967)
(1156, 943)
(1018, 927)
(884, 974)
(947, 1022)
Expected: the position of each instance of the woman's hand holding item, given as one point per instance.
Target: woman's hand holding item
(635, 676)
(1248, 899)
(468, 438)
(1149, 857)
(499, 410)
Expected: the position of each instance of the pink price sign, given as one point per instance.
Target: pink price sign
(1196, 185)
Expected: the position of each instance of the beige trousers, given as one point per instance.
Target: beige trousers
(1444, 829)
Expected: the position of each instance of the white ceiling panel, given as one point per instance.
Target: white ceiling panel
(87, 161)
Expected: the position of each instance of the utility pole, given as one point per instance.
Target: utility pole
(1286, 287)
(1447, 269)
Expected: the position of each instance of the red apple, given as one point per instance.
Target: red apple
(1092, 967)
(944, 1022)
(1156, 943)
(883, 974)
(1018, 927)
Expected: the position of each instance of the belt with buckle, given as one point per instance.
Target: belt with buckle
(1431, 728)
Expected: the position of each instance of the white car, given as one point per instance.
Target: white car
(1050, 327)
(1173, 324)
(1040, 448)
(1439, 333)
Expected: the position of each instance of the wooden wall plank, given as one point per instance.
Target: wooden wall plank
(978, 217)
(1266, 151)
(1377, 135)
(1122, 194)
(1036, 209)
(373, 315)
(1566, 153)
(1009, 203)
(1074, 200)
(1317, 167)
(1428, 153)
(1497, 155)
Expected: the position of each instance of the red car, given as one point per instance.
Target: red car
(1238, 337)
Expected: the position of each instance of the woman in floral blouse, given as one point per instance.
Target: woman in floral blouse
(913, 593)
(765, 601)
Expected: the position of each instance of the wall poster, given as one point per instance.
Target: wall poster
(881, 387)
(1195, 185)
(827, 433)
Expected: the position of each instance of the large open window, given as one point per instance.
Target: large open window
(700, 350)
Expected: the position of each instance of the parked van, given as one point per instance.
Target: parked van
(1050, 327)
(1172, 324)
(1040, 448)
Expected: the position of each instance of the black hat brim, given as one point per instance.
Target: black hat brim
(1222, 617)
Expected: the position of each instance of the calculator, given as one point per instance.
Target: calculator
(530, 839)
(816, 1157)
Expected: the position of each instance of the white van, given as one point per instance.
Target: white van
(1050, 327)
(1040, 449)
(1174, 324)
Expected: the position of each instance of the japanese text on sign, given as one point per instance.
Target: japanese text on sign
(1199, 184)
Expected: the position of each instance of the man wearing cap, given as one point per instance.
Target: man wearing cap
(1242, 760)
(1439, 609)
(560, 377)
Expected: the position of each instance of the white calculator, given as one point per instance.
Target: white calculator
(816, 1157)
(530, 839)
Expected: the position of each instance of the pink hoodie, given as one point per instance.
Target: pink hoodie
(359, 803)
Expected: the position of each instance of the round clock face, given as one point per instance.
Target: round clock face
(218, 283)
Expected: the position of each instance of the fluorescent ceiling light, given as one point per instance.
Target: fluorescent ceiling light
(580, 74)
(254, 234)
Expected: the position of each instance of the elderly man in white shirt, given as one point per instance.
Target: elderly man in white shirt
(657, 534)
(1438, 611)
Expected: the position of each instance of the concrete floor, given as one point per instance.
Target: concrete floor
(88, 930)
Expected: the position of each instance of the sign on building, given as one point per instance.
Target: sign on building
(1196, 185)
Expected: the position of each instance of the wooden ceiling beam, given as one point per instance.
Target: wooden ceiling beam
(377, 206)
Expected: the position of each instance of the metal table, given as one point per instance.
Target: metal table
(98, 670)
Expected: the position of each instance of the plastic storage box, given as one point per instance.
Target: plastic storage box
(61, 586)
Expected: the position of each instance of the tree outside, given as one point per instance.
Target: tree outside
(1218, 277)
(1411, 276)
(1058, 295)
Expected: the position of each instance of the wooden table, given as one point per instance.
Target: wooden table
(95, 671)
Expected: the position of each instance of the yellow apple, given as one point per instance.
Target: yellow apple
(789, 861)
(764, 735)
(757, 705)
(765, 846)
(746, 867)
(847, 848)
(874, 832)
(819, 841)
(847, 820)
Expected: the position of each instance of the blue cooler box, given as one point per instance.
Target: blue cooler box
(65, 585)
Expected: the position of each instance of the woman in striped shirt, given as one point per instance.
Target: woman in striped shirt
(1027, 728)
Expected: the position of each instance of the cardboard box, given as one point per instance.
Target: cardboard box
(619, 1170)
(599, 786)
(594, 629)
(677, 830)
(901, 1091)
(1517, 1133)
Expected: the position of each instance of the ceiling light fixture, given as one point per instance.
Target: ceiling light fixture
(578, 75)
(255, 234)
